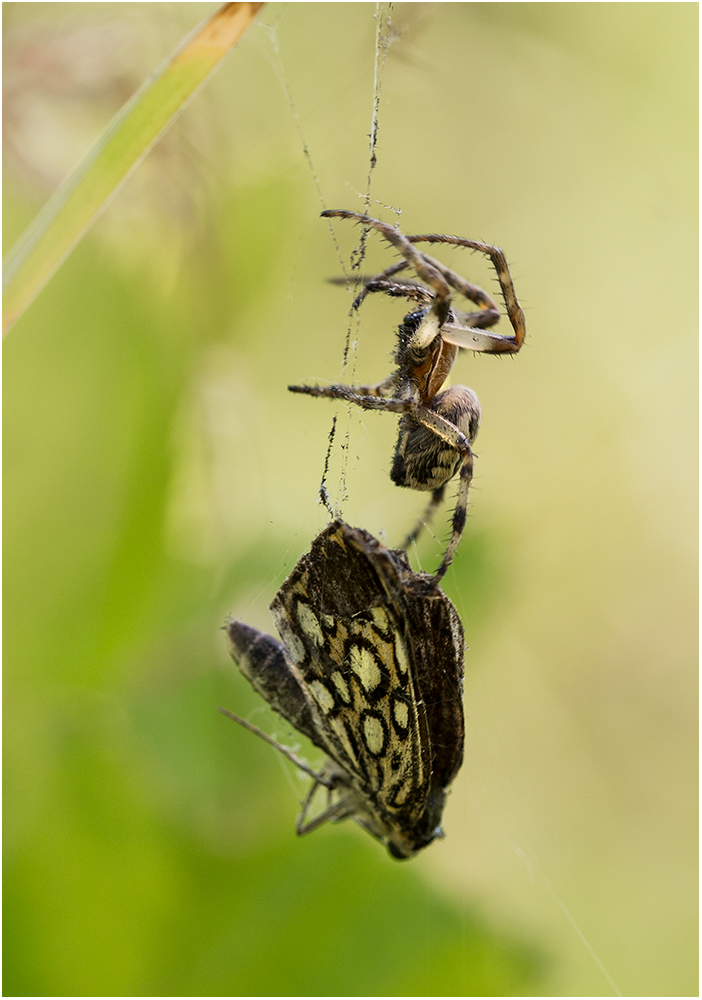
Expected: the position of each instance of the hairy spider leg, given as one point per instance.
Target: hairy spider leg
(389, 272)
(427, 267)
(398, 289)
(490, 343)
(458, 521)
(383, 389)
(424, 296)
(453, 416)
(439, 277)
(466, 288)
(357, 279)
(439, 311)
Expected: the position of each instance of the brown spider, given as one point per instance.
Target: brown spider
(438, 426)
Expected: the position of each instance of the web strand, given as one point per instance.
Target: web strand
(383, 38)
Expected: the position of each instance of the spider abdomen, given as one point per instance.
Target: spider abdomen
(423, 460)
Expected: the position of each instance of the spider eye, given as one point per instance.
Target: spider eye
(413, 319)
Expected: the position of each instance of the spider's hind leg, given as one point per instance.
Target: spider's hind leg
(454, 418)
(460, 514)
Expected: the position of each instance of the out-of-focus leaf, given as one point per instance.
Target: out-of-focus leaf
(128, 138)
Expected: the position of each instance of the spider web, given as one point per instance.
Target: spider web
(385, 34)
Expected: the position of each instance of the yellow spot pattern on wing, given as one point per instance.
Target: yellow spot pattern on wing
(323, 697)
(364, 666)
(373, 733)
(341, 686)
(401, 654)
(401, 714)
(380, 617)
(310, 623)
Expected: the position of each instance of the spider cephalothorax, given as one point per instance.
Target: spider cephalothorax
(437, 425)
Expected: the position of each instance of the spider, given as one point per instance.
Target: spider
(437, 425)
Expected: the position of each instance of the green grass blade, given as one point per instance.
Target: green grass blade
(73, 208)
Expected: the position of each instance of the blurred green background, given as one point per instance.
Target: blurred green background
(158, 476)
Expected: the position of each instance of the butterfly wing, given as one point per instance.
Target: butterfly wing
(341, 622)
(264, 663)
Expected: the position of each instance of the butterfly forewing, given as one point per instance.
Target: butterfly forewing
(357, 671)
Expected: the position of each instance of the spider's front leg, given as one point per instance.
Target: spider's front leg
(368, 397)
(438, 313)
(470, 336)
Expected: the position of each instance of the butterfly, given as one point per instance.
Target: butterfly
(370, 670)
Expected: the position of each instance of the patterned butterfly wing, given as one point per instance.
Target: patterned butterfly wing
(371, 670)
